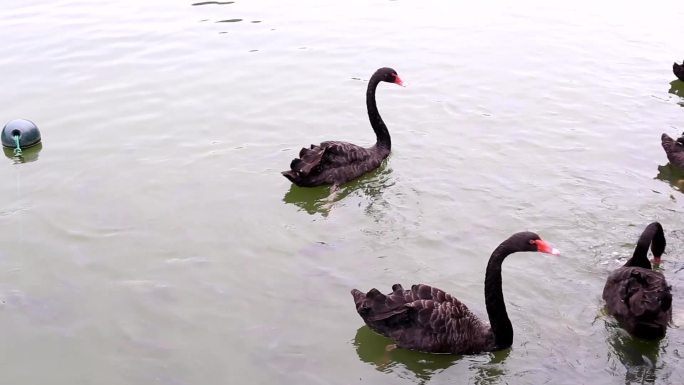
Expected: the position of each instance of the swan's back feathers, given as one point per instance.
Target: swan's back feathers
(340, 154)
(424, 318)
(333, 163)
(674, 149)
(640, 299)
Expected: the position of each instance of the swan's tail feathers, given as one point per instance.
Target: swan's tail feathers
(289, 174)
(296, 164)
(358, 295)
(666, 142)
(674, 149)
(309, 159)
(379, 310)
(305, 153)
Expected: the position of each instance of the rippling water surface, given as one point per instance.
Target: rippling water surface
(152, 239)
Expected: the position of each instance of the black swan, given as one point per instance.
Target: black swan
(674, 150)
(428, 319)
(638, 297)
(338, 162)
(678, 70)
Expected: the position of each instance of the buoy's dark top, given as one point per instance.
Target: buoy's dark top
(26, 129)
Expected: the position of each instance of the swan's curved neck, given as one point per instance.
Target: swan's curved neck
(382, 135)
(494, 299)
(652, 236)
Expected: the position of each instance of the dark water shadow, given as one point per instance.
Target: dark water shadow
(27, 155)
(372, 348)
(225, 22)
(212, 3)
(638, 356)
(672, 175)
(677, 88)
(319, 200)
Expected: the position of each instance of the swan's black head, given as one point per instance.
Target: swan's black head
(529, 241)
(388, 75)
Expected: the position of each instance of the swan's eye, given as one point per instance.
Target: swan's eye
(532, 242)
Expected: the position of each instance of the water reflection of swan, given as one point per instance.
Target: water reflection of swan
(677, 88)
(638, 356)
(379, 352)
(317, 200)
(672, 175)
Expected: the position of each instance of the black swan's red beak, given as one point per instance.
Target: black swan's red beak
(656, 261)
(544, 247)
(397, 80)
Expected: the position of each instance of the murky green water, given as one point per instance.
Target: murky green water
(153, 241)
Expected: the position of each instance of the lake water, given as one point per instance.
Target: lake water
(152, 239)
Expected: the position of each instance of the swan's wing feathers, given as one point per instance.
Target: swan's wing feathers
(423, 304)
(308, 153)
(421, 291)
(440, 317)
(614, 293)
(648, 293)
(442, 327)
(423, 318)
(424, 298)
(328, 155)
(343, 154)
(640, 299)
(375, 306)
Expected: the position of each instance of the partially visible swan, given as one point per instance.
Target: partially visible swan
(678, 70)
(638, 297)
(674, 149)
(335, 163)
(428, 319)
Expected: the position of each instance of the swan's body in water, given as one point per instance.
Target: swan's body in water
(638, 297)
(428, 319)
(678, 70)
(335, 163)
(674, 149)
